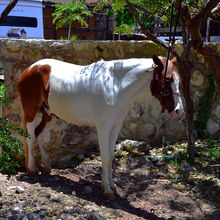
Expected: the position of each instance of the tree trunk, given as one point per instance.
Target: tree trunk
(208, 30)
(69, 32)
(189, 107)
(189, 110)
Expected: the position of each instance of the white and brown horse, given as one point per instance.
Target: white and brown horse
(98, 95)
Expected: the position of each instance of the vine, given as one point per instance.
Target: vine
(204, 109)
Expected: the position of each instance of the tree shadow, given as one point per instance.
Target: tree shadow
(214, 216)
(67, 186)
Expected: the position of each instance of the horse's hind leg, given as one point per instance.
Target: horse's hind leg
(47, 123)
(29, 154)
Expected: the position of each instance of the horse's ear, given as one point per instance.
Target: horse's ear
(173, 60)
(156, 59)
(158, 62)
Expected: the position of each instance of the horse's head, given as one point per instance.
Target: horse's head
(166, 90)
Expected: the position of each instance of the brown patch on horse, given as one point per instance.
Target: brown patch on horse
(160, 87)
(171, 68)
(45, 118)
(33, 87)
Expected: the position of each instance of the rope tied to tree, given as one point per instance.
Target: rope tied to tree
(171, 37)
(172, 40)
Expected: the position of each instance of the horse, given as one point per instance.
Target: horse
(98, 95)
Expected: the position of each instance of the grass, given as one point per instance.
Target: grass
(182, 169)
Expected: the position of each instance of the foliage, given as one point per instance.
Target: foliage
(207, 161)
(3, 100)
(204, 109)
(12, 154)
(66, 14)
(147, 9)
(213, 149)
(124, 29)
(73, 37)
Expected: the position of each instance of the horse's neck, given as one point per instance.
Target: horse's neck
(136, 81)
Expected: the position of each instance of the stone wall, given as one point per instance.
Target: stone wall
(144, 122)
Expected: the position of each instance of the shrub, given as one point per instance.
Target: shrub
(12, 156)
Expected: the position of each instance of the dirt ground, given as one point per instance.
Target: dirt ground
(146, 189)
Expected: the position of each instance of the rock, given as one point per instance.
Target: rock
(188, 167)
(73, 193)
(56, 198)
(33, 216)
(212, 127)
(130, 145)
(161, 174)
(80, 157)
(17, 210)
(18, 189)
(87, 189)
(197, 79)
(67, 217)
(217, 111)
(16, 217)
(96, 216)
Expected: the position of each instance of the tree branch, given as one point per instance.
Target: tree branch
(7, 10)
(143, 28)
(142, 9)
(216, 9)
(204, 12)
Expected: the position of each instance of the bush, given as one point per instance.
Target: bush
(12, 156)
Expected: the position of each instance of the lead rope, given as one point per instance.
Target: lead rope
(171, 41)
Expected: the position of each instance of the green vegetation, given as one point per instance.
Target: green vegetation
(12, 155)
(73, 37)
(67, 14)
(207, 163)
(146, 11)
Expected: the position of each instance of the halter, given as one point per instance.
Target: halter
(171, 42)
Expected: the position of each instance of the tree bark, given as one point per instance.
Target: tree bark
(7, 10)
(189, 111)
(69, 31)
(193, 23)
(208, 30)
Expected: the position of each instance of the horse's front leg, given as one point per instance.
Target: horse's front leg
(103, 138)
(113, 138)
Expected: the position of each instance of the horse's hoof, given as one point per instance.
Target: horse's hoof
(45, 171)
(109, 196)
(31, 173)
(113, 187)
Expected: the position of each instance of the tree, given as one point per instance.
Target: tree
(193, 14)
(7, 10)
(193, 22)
(69, 13)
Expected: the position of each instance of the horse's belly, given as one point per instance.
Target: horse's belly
(76, 110)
